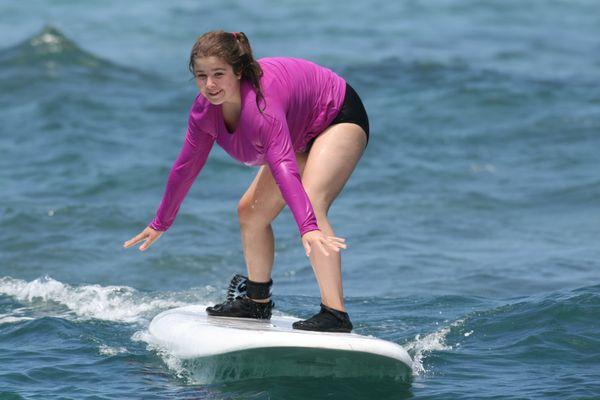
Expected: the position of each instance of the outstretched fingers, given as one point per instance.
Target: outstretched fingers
(148, 236)
(336, 243)
(135, 240)
(322, 243)
(148, 242)
(331, 243)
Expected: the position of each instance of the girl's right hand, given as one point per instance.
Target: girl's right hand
(148, 235)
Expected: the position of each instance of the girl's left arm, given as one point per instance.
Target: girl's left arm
(282, 162)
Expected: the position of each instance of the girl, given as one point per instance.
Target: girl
(306, 128)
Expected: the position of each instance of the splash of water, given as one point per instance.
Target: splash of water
(422, 346)
(109, 303)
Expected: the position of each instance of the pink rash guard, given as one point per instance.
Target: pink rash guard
(302, 99)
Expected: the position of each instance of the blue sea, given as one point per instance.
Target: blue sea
(472, 220)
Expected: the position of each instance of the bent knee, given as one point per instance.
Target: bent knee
(245, 211)
(251, 213)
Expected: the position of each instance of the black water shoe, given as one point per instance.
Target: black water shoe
(240, 303)
(242, 307)
(327, 320)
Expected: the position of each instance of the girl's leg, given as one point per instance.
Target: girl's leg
(257, 208)
(330, 163)
(325, 171)
(261, 203)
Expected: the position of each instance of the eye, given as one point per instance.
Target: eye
(201, 76)
(219, 74)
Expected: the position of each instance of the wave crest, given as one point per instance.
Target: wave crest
(49, 48)
(108, 303)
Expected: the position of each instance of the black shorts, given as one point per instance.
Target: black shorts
(353, 111)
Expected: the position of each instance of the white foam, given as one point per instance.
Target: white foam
(109, 303)
(49, 42)
(173, 363)
(111, 351)
(11, 319)
(422, 346)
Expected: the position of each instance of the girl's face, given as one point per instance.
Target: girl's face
(216, 81)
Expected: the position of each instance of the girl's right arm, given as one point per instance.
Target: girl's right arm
(189, 163)
(148, 236)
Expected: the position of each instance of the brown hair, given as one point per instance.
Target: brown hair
(234, 48)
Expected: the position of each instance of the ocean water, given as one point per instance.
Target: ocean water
(472, 220)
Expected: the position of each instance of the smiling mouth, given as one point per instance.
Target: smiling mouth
(214, 94)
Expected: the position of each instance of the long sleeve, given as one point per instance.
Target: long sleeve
(191, 159)
(282, 162)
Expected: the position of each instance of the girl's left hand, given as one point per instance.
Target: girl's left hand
(323, 242)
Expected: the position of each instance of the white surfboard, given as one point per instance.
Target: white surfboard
(224, 349)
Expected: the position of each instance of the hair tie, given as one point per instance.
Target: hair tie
(234, 35)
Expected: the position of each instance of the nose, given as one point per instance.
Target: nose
(210, 84)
